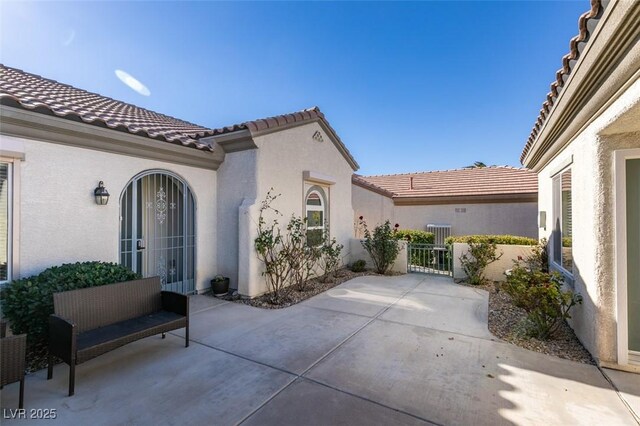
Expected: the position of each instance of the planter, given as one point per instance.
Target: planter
(220, 287)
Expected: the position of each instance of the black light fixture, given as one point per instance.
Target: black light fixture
(101, 194)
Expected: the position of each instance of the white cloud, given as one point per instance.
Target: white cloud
(68, 37)
(133, 83)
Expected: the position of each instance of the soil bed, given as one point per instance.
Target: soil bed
(505, 322)
(314, 286)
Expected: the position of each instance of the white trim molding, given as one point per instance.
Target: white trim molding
(622, 317)
(316, 177)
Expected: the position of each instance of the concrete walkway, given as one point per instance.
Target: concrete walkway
(411, 349)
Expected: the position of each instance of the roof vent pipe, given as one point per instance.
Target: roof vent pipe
(411, 183)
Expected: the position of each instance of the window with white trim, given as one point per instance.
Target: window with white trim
(5, 221)
(316, 217)
(562, 236)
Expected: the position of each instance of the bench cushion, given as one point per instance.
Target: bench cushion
(103, 339)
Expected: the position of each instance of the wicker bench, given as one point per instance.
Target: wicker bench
(13, 350)
(92, 321)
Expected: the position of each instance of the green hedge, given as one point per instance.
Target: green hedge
(28, 302)
(512, 240)
(415, 236)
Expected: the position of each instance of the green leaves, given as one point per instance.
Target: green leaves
(474, 262)
(541, 295)
(513, 240)
(381, 244)
(28, 302)
(415, 236)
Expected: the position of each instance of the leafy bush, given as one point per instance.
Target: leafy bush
(513, 240)
(293, 255)
(415, 236)
(540, 294)
(330, 256)
(539, 258)
(299, 252)
(28, 302)
(480, 255)
(381, 244)
(359, 265)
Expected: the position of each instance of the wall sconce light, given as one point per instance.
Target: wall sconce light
(101, 194)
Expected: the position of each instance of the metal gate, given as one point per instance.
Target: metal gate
(157, 229)
(430, 259)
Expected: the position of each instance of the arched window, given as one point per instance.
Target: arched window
(316, 217)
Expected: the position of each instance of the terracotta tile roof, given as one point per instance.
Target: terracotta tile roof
(586, 24)
(493, 180)
(309, 114)
(32, 92)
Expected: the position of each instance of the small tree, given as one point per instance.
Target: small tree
(270, 250)
(381, 244)
(330, 256)
(474, 262)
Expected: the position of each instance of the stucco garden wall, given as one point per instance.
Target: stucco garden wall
(590, 155)
(358, 252)
(495, 271)
(281, 159)
(60, 221)
(490, 218)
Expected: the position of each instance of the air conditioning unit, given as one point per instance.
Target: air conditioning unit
(441, 232)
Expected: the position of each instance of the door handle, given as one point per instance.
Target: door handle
(140, 245)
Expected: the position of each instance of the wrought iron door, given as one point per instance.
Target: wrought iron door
(157, 230)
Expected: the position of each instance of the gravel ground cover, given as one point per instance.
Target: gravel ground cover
(505, 322)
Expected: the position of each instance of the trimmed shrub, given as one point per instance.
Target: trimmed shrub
(415, 236)
(540, 294)
(381, 244)
(474, 262)
(28, 302)
(512, 240)
(359, 265)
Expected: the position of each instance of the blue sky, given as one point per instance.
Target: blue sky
(407, 86)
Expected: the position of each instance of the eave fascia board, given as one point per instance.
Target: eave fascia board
(582, 98)
(48, 128)
(240, 140)
(529, 197)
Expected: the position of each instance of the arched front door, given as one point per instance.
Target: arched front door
(157, 229)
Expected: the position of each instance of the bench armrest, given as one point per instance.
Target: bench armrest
(175, 302)
(62, 338)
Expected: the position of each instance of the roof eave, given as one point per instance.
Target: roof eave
(19, 122)
(525, 197)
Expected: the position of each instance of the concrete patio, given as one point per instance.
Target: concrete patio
(410, 349)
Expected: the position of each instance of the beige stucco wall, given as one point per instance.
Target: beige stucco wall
(60, 222)
(593, 197)
(236, 182)
(495, 271)
(281, 158)
(490, 218)
(375, 208)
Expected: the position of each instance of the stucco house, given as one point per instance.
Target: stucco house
(183, 198)
(585, 147)
(484, 200)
